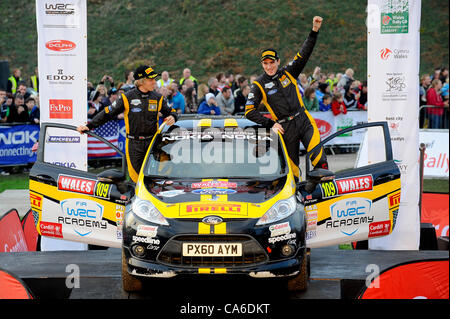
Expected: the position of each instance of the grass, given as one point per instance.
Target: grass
(217, 36)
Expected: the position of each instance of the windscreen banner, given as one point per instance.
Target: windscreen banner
(393, 53)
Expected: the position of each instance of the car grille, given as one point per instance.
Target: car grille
(252, 252)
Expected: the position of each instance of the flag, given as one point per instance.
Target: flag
(98, 149)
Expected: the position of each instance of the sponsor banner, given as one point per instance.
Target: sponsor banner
(436, 158)
(327, 124)
(16, 143)
(393, 52)
(62, 63)
(344, 186)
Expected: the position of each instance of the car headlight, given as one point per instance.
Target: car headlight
(281, 209)
(146, 210)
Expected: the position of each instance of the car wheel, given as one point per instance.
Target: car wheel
(300, 281)
(129, 282)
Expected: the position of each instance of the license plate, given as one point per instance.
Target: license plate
(212, 250)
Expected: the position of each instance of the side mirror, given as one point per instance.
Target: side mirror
(111, 176)
(316, 176)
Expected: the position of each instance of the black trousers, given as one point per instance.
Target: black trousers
(135, 151)
(303, 128)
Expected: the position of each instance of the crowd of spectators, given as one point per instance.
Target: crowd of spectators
(433, 100)
(226, 94)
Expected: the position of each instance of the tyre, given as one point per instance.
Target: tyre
(300, 281)
(129, 282)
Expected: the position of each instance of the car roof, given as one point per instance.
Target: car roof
(190, 122)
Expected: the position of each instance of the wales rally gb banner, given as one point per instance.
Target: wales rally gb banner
(393, 53)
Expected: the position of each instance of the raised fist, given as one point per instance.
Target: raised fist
(317, 23)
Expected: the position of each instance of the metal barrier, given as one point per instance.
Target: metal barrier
(433, 117)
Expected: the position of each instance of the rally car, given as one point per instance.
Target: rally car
(215, 196)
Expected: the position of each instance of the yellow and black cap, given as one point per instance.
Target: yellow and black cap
(269, 54)
(145, 71)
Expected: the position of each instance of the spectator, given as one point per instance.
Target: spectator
(110, 99)
(33, 110)
(241, 99)
(241, 82)
(302, 83)
(443, 74)
(191, 100)
(22, 89)
(129, 81)
(346, 79)
(350, 99)
(325, 104)
(310, 100)
(434, 98)
(225, 101)
(187, 75)
(436, 74)
(165, 79)
(331, 80)
(236, 85)
(5, 102)
(94, 105)
(230, 81)
(315, 76)
(337, 104)
(362, 101)
(176, 99)
(323, 89)
(18, 112)
(221, 81)
(90, 89)
(101, 90)
(213, 85)
(209, 106)
(201, 93)
(13, 80)
(34, 80)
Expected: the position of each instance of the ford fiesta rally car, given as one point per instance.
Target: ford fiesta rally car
(214, 196)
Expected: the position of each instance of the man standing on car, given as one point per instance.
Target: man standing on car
(141, 107)
(277, 89)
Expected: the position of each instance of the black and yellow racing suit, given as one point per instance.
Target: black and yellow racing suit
(141, 123)
(281, 96)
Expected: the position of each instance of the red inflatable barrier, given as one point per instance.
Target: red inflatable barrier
(435, 211)
(414, 280)
(30, 232)
(12, 287)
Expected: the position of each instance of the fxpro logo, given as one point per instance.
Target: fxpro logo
(349, 214)
(84, 215)
(60, 109)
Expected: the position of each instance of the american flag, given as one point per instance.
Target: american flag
(110, 132)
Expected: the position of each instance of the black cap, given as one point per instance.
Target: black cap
(144, 71)
(269, 54)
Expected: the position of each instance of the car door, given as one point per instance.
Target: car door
(77, 204)
(361, 200)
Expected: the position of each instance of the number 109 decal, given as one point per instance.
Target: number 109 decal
(344, 186)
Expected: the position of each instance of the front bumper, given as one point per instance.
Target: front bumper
(284, 268)
(262, 250)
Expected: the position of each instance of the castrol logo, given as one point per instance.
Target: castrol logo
(60, 45)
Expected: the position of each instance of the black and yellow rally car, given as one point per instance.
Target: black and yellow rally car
(215, 196)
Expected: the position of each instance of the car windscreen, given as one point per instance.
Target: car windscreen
(217, 153)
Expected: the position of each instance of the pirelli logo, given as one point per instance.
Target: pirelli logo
(36, 201)
(217, 208)
(394, 200)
